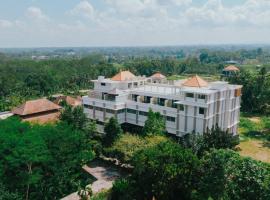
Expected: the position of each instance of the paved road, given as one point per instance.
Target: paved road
(105, 177)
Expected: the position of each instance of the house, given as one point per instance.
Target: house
(69, 100)
(187, 105)
(158, 78)
(230, 71)
(40, 111)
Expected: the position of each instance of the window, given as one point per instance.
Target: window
(201, 96)
(143, 113)
(174, 105)
(110, 111)
(88, 106)
(103, 84)
(131, 111)
(190, 95)
(170, 119)
(201, 111)
(99, 109)
(121, 111)
(129, 85)
(181, 107)
(161, 101)
(134, 97)
(146, 99)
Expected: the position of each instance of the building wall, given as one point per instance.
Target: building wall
(221, 107)
(42, 118)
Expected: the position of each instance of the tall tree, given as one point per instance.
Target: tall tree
(155, 124)
(112, 131)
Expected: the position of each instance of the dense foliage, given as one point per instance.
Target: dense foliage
(212, 138)
(256, 90)
(127, 145)
(42, 162)
(155, 124)
(112, 131)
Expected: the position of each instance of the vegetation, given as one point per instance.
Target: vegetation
(127, 145)
(256, 90)
(112, 131)
(212, 138)
(45, 161)
(155, 124)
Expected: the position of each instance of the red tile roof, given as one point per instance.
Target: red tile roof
(195, 81)
(123, 76)
(231, 68)
(70, 100)
(35, 106)
(158, 75)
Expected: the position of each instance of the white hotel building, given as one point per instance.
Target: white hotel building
(187, 105)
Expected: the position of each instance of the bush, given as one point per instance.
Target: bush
(127, 145)
(122, 190)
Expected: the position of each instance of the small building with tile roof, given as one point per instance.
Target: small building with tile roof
(195, 81)
(158, 78)
(230, 71)
(39, 110)
(123, 76)
(69, 101)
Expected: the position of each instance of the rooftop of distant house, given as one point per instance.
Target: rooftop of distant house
(35, 106)
(231, 68)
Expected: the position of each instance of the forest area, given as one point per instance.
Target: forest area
(45, 161)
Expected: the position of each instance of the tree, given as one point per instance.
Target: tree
(216, 138)
(227, 175)
(74, 117)
(112, 131)
(155, 124)
(164, 171)
(42, 162)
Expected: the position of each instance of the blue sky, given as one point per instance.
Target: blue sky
(51, 23)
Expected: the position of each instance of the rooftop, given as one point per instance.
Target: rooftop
(123, 76)
(158, 75)
(195, 81)
(231, 68)
(35, 106)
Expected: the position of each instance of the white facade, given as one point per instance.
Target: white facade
(185, 109)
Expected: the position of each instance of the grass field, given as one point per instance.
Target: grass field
(255, 137)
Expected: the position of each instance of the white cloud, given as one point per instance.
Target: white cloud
(5, 23)
(36, 13)
(85, 9)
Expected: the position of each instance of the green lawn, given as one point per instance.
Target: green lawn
(254, 134)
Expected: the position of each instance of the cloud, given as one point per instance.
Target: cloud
(35, 13)
(85, 9)
(5, 23)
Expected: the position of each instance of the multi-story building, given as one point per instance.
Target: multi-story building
(187, 105)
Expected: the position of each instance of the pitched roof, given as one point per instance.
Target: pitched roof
(158, 75)
(231, 68)
(123, 76)
(70, 100)
(195, 81)
(35, 106)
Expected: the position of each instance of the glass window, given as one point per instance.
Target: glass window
(161, 101)
(103, 84)
(134, 97)
(131, 111)
(143, 113)
(121, 111)
(88, 106)
(171, 119)
(201, 96)
(181, 107)
(110, 111)
(99, 109)
(190, 95)
(201, 111)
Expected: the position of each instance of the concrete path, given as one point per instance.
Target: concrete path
(105, 177)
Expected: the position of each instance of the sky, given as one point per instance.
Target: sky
(86, 23)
